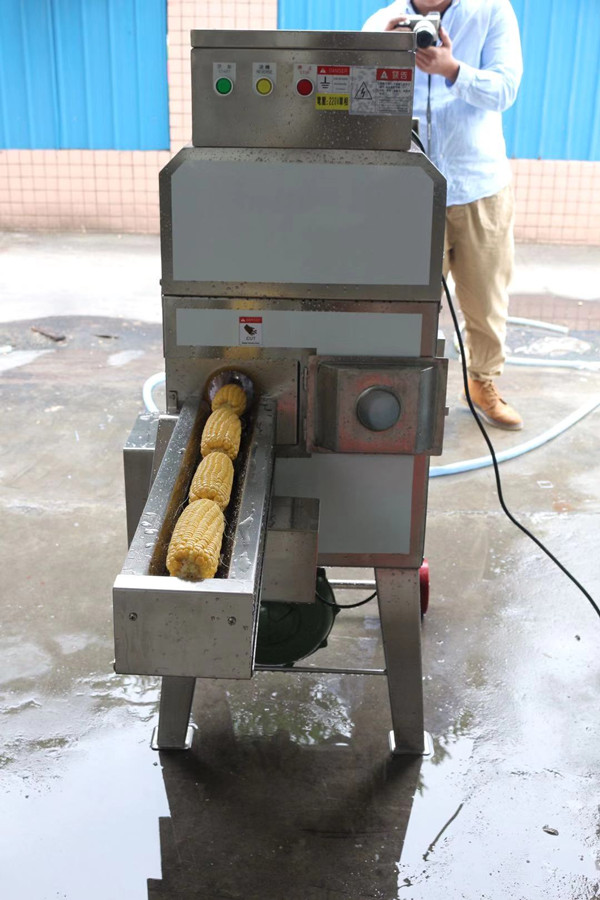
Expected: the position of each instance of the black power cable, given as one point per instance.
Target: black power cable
(486, 438)
(418, 141)
(346, 605)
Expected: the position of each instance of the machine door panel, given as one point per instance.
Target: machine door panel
(327, 332)
(365, 500)
(321, 223)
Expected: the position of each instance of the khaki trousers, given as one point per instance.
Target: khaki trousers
(479, 253)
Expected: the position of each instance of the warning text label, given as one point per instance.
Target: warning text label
(332, 101)
(394, 74)
(333, 87)
(250, 330)
(380, 92)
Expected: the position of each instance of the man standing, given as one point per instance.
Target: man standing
(462, 86)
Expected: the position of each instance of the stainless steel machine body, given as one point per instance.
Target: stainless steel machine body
(302, 240)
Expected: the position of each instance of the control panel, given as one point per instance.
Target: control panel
(280, 89)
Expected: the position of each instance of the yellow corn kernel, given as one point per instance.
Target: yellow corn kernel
(223, 431)
(233, 396)
(213, 479)
(195, 546)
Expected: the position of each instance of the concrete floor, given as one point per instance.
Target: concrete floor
(289, 792)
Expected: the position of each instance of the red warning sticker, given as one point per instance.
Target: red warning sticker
(394, 74)
(251, 330)
(333, 70)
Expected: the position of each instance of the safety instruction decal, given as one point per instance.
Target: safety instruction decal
(251, 331)
(362, 90)
(380, 92)
(333, 88)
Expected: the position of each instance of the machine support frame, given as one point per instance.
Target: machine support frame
(399, 599)
(174, 730)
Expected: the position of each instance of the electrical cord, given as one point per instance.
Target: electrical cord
(428, 114)
(418, 141)
(486, 438)
(346, 605)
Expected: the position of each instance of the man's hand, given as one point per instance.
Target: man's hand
(398, 22)
(438, 60)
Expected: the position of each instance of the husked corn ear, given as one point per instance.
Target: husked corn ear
(222, 431)
(232, 395)
(195, 546)
(213, 479)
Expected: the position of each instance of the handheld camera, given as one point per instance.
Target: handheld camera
(426, 29)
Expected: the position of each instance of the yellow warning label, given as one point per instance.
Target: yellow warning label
(332, 101)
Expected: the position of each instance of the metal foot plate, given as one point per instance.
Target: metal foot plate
(189, 738)
(428, 750)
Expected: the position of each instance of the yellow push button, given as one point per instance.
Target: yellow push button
(264, 86)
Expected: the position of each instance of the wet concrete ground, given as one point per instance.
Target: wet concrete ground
(289, 792)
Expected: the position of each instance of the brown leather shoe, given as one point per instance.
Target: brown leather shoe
(491, 407)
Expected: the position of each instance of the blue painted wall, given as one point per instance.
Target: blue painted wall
(557, 113)
(88, 74)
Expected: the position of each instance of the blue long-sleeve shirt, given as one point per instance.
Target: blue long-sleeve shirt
(467, 143)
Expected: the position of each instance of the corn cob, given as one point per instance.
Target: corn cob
(233, 396)
(195, 546)
(213, 479)
(222, 431)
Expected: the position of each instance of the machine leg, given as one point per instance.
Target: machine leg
(399, 596)
(174, 731)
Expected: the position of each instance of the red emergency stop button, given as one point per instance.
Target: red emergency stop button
(305, 87)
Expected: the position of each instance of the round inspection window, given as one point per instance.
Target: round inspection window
(378, 409)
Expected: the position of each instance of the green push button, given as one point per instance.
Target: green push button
(224, 86)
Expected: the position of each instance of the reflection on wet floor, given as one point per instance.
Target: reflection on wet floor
(320, 715)
(439, 800)
(276, 813)
(457, 825)
(88, 827)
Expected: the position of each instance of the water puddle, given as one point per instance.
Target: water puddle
(89, 829)
(124, 357)
(19, 358)
(74, 643)
(22, 660)
(555, 346)
(492, 831)
(438, 802)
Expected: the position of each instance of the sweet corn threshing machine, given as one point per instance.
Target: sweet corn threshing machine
(302, 240)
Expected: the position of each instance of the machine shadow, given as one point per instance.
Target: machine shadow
(266, 818)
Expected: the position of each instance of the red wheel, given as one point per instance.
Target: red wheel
(424, 586)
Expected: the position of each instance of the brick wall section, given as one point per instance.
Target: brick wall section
(117, 190)
(113, 190)
(80, 190)
(557, 202)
